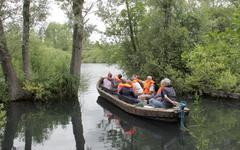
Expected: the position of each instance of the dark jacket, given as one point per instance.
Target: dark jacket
(170, 92)
(128, 95)
(126, 91)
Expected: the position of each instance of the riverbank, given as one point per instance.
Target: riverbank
(222, 94)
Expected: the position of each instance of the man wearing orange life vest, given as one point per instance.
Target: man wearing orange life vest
(124, 83)
(148, 86)
(125, 89)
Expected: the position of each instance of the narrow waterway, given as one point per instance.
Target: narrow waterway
(91, 123)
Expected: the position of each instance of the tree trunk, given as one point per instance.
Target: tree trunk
(28, 136)
(25, 38)
(14, 89)
(13, 118)
(76, 119)
(167, 8)
(131, 27)
(77, 37)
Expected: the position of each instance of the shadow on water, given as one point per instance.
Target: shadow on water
(129, 132)
(34, 122)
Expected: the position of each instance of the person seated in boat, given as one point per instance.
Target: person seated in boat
(125, 83)
(148, 86)
(125, 89)
(148, 89)
(137, 88)
(166, 96)
(108, 81)
(117, 79)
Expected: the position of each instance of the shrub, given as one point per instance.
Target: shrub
(36, 89)
(50, 78)
(214, 65)
(4, 91)
(226, 81)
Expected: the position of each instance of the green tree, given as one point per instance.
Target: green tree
(214, 64)
(14, 89)
(58, 36)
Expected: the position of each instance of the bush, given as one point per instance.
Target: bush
(214, 65)
(36, 89)
(177, 78)
(226, 82)
(4, 91)
(50, 78)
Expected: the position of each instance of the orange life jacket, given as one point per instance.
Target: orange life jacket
(121, 85)
(160, 90)
(147, 84)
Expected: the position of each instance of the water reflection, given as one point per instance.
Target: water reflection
(215, 124)
(211, 126)
(124, 131)
(35, 122)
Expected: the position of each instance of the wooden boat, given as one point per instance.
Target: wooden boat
(171, 114)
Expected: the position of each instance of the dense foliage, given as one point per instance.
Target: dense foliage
(59, 36)
(50, 53)
(214, 63)
(49, 66)
(194, 43)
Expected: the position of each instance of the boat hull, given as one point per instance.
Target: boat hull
(170, 115)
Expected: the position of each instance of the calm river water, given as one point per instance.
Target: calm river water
(93, 124)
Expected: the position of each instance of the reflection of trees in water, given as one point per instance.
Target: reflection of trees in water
(126, 136)
(134, 133)
(42, 121)
(34, 123)
(2, 121)
(84, 82)
(215, 126)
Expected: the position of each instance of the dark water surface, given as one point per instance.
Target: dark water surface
(93, 124)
